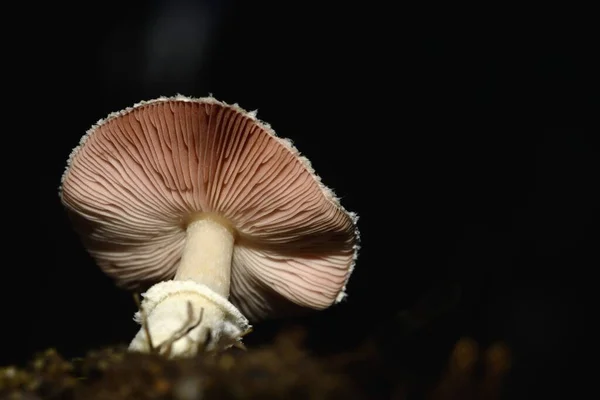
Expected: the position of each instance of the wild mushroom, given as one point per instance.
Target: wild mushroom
(204, 203)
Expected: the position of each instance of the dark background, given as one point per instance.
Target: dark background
(461, 136)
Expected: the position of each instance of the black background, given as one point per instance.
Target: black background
(463, 137)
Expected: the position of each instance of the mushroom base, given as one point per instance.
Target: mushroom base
(184, 317)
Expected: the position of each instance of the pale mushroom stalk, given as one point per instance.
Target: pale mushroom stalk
(207, 254)
(205, 261)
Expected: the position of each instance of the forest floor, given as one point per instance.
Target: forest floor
(284, 369)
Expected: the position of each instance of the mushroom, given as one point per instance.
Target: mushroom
(221, 221)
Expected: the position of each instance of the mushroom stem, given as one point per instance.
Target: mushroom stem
(200, 287)
(207, 254)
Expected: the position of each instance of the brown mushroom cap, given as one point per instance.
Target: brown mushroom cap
(138, 176)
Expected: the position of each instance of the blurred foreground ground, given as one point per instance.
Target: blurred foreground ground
(283, 369)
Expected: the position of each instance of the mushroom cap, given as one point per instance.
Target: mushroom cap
(138, 176)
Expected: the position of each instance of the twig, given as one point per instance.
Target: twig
(187, 327)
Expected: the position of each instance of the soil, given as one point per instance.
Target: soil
(284, 369)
